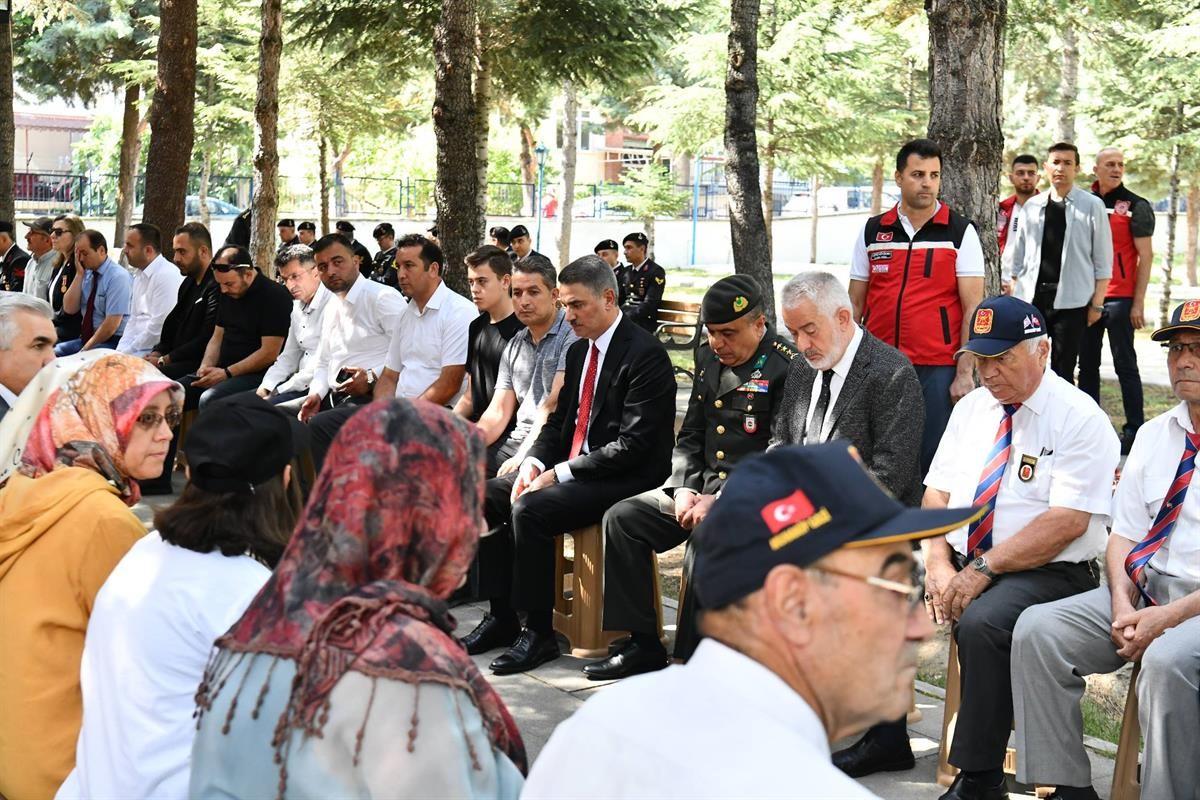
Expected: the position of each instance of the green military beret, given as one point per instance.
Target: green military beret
(731, 298)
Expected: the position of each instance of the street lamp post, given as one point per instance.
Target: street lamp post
(541, 150)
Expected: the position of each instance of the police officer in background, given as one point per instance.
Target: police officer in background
(346, 228)
(608, 250)
(644, 282)
(306, 232)
(740, 373)
(383, 267)
(287, 235)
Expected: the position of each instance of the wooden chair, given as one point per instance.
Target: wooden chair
(946, 772)
(579, 594)
(1127, 783)
(679, 328)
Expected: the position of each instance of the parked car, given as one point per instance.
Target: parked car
(217, 209)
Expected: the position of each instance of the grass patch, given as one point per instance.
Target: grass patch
(1157, 400)
(1101, 721)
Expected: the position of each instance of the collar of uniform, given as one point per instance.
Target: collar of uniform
(842, 367)
(760, 689)
(9, 250)
(645, 261)
(605, 339)
(436, 299)
(1182, 418)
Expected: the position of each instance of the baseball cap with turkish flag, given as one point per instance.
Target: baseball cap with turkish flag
(795, 505)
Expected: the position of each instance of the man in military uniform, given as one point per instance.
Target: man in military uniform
(740, 374)
(346, 228)
(287, 235)
(383, 268)
(644, 283)
(306, 232)
(608, 250)
(522, 247)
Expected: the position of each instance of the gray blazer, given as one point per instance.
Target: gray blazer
(880, 410)
(1087, 254)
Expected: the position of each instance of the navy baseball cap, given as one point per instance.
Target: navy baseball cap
(999, 323)
(795, 505)
(1185, 317)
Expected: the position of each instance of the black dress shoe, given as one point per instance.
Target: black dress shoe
(868, 756)
(619, 644)
(967, 788)
(489, 634)
(531, 650)
(633, 659)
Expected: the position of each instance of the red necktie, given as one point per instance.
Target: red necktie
(585, 403)
(87, 327)
(1164, 521)
(979, 535)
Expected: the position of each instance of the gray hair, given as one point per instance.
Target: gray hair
(591, 271)
(1032, 344)
(822, 288)
(10, 304)
(295, 252)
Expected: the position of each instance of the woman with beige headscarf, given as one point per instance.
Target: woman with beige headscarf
(64, 523)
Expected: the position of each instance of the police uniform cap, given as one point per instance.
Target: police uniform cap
(344, 226)
(383, 229)
(606, 244)
(286, 223)
(731, 298)
(518, 231)
(307, 226)
(636, 237)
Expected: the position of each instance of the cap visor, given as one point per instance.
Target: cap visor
(917, 523)
(987, 348)
(1162, 334)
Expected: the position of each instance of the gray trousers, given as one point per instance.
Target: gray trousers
(1056, 644)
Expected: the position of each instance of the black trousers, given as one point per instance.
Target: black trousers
(324, 426)
(1116, 323)
(517, 559)
(1066, 327)
(634, 528)
(984, 637)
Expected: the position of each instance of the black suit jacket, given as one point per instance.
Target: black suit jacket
(632, 426)
(880, 410)
(189, 326)
(12, 270)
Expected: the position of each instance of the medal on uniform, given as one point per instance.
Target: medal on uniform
(1026, 471)
(750, 424)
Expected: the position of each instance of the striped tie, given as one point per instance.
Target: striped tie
(1164, 523)
(979, 535)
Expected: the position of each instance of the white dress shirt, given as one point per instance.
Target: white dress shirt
(155, 292)
(1148, 474)
(840, 370)
(355, 331)
(719, 726)
(967, 264)
(429, 339)
(293, 370)
(1006, 255)
(1064, 438)
(561, 470)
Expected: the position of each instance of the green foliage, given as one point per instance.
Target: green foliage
(648, 192)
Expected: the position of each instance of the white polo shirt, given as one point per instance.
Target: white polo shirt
(1065, 440)
(426, 340)
(356, 330)
(293, 370)
(720, 726)
(1148, 474)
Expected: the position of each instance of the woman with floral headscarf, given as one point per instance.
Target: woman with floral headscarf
(343, 678)
(64, 523)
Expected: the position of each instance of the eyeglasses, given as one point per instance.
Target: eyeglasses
(149, 420)
(231, 267)
(58, 231)
(912, 591)
(1176, 349)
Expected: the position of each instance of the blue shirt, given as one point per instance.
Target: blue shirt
(113, 295)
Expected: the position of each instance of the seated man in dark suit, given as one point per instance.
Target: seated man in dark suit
(850, 385)
(609, 438)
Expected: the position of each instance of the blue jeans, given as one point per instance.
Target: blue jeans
(73, 346)
(1115, 320)
(935, 387)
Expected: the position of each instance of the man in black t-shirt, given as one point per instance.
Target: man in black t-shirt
(489, 274)
(253, 317)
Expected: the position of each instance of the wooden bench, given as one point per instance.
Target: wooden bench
(679, 328)
(1127, 783)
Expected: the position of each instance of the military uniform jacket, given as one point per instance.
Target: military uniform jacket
(729, 414)
(285, 245)
(643, 292)
(383, 268)
(621, 272)
(12, 269)
(533, 257)
(364, 258)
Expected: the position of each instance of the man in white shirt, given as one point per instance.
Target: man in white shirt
(287, 381)
(804, 567)
(1149, 613)
(155, 289)
(1039, 455)
(355, 333)
(1024, 179)
(43, 258)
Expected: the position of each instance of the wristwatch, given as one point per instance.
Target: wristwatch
(371, 378)
(1097, 309)
(980, 565)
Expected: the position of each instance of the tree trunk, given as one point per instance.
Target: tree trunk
(205, 178)
(566, 208)
(8, 125)
(266, 138)
(1193, 230)
(966, 66)
(768, 201)
(1164, 306)
(460, 225)
(1069, 83)
(339, 184)
(814, 218)
(527, 173)
(483, 106)
(323, 179)
(751, 251)
(877, 187)
(131, 147)
(648, 229)
(172, 121)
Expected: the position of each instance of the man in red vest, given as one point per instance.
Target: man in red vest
(1024, 179)
(1132, 221)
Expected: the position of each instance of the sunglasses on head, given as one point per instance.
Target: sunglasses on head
(231, 267)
